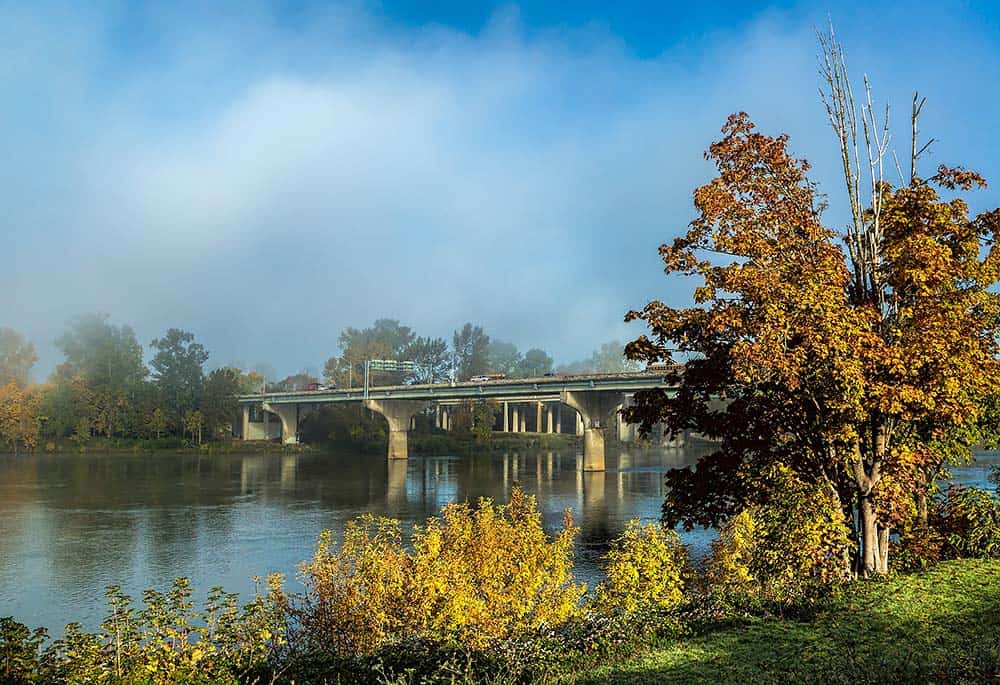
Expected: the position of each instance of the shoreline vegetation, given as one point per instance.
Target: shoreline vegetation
(423, 443)
(481, 594)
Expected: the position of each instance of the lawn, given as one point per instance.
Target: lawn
(938, 626)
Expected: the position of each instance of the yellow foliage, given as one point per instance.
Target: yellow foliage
(785, 549)
(647, 569)
(475, 574)
(19, 417)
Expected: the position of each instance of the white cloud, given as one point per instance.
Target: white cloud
(266, 186)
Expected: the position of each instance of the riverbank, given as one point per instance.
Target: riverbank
(164, 446)
(941, 625)
(420, 444)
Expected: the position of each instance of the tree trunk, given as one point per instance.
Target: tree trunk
(921, 498)
(869, 537)
(883, 550)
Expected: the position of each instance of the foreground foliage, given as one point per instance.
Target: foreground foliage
(475, 575)
(482, 594)
(167, 641)
(787, 549)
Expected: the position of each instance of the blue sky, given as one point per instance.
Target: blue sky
(265, 174)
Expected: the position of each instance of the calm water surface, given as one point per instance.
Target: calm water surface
(72, 524)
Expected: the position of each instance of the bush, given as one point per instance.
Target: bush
(476, 575)
(647, 569)
(790, 549)
(969, 520)
(920, 546)
(166, 642)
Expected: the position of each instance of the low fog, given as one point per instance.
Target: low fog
(265, 182)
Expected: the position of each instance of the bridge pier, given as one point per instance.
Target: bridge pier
(398, 413)
(289, 416)
(593, 407)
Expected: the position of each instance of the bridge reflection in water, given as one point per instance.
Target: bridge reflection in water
(73, 524)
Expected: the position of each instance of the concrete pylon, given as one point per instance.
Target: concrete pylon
(594, 406)
(289, 415)
(398, 414)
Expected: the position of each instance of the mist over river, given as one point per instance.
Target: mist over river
(72, 524)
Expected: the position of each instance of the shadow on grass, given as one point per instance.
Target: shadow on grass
(940, 627)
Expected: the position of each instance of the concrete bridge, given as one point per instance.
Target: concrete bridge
(527, 402)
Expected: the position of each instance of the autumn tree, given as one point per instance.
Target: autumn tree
(17, 356)
(19, 417)
(851, 368)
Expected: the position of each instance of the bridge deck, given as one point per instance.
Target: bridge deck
(544, 387)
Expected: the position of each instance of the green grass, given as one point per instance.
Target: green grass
(939, 626)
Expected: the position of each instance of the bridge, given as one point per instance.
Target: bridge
(591, 397)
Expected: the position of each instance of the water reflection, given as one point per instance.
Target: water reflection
(69, 525)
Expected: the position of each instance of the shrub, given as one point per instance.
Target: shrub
(919, 546)
(969, 520)
(647, 568)
(164, 643)
(21, 656)
(476, 575)
(790, 548)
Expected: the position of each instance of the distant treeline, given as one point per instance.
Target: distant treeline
(104, 390)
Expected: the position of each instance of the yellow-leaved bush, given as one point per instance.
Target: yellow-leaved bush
(647, 568)
(475, 574)
(787, 548)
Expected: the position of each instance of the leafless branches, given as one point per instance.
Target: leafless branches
(864, 234)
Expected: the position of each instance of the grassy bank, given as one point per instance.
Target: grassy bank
(941, 626)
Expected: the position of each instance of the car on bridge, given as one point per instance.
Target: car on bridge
(488, 377)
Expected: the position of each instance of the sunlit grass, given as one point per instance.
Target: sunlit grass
(939, 626)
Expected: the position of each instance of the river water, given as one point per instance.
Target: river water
(72, 524)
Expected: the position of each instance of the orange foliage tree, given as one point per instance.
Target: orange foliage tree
(19, 418)
(861, 370)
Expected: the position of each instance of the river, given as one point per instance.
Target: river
(72, 524)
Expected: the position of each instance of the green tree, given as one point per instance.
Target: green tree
(504, 357)
(17, 356)
(177, 371)
(608, 358)
(218, 401)
(108, 361)
(535, 363)
(471, 348)
(385, 339)
(432, 358)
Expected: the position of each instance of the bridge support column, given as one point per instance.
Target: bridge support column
(538, 417)
(548, 416)
(289, 415)
(245, 429)
(398, 414)
(593, 406)
(516, 425)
